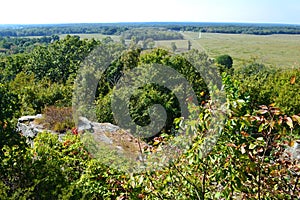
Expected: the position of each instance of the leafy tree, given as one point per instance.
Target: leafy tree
(150, 94)
(225, 60)
(59, 60)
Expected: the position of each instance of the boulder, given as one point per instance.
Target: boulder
(30, 129)
(107, 133)
(112, 135)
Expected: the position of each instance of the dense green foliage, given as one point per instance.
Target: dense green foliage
(9, 109)
(13, 45)
(152, 93)
(247, 162)
(266, 86)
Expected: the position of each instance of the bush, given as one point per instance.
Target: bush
(34, 95)
(264, 86)
(57, 119)
(225, 63)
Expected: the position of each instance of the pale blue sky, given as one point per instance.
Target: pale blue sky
(74, 11)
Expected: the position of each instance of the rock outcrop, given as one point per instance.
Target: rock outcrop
(106, 133)
(29, 128)
(112, 135)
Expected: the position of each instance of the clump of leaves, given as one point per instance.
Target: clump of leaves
(58, 119)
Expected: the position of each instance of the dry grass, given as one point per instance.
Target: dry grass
(57, 119)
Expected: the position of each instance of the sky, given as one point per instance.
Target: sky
(94, 11)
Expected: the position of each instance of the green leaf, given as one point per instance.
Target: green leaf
(261, 128)
(252, 146)
(218, 195)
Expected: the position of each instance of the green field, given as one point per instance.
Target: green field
(273, 50)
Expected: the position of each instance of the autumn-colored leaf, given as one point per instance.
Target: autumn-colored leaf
(141, 196)
(279, 120)
(244, 134)
(231, 145)
(289, 122)
(296, 118)
(264, 107)
(262, 111)
(251, 156)
(277, 137)
(291, 143)
(275, 111)
(293, 79)
(261, 149)
(272, 105)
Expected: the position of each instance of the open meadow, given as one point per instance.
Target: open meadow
(274, 50)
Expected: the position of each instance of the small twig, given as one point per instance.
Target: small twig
(140, 148)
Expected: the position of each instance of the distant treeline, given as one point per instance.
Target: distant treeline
(240, 29)
(151, 33)
(119, 28)
(57, 29)
(13, 45)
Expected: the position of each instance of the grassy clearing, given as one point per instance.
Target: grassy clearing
(275, 50)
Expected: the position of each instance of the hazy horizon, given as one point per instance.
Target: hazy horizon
(154, 22)
(115, 11)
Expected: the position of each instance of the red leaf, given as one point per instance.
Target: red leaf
(244, 134)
